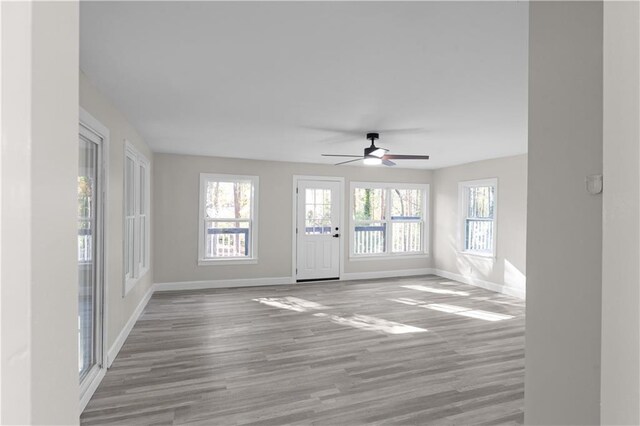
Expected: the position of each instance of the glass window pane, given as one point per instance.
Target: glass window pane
(407, 237)
(480, 201)
(369, 238)
(227, 239)
(228, 200)
(479, 235)
(143, 190)
(129, 191)
(368, 204)
(317, 211)
(406, 203)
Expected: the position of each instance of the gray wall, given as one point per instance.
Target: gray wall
(507, 271)
(176, 203)
(120, 308)
(621, 230)
(564, 231)
(39, 171)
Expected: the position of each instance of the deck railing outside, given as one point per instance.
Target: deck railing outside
(479, 235)
(227, 242)
(369, 239)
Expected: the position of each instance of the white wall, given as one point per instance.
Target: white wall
(120, 308)
(39, 165)
(176, 179)
(564, 229)
(506, 272)
(621, 225)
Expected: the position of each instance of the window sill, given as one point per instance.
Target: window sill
(385, 256)
(231, 261)
(478, 254)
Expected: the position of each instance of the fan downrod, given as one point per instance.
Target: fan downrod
(373, 136)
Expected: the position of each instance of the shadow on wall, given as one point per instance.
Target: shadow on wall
(481, 268)
(470, 265)
(513, 277)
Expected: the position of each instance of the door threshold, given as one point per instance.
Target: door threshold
(318, 279)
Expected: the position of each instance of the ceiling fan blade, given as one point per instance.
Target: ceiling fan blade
(405, 157)
(388, 163)
(348, 161)
(340, 155)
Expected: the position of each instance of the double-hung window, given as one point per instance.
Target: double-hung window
(389, 219)
(136, 216)
(228, 219)
(478, 211)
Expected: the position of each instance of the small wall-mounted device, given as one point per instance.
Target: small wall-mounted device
(594, 184)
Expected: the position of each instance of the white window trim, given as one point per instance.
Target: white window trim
(462, 187)
(139, 267)
(388, 255)
(92, 381)
(253, 232)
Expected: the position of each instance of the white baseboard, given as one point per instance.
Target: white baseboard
(349, 276)
(122, 337)
(243, 282)
(520, 293)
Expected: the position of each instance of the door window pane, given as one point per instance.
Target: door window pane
(317, 211)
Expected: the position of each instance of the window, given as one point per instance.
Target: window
(478, 207)
(388, 219)
(136, 216)
(228, 219)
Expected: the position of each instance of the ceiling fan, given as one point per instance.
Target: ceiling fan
(374, 155)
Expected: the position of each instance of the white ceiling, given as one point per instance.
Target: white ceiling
(292, 80)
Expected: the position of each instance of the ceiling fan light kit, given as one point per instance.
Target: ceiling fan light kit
(374, 156)
(372, 161)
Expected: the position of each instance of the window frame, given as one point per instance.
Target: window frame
(253, 220)
(463, 200)
(388, 221)
(140, 264)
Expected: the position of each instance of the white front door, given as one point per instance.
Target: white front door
(319, 230)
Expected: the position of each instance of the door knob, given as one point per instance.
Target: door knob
(336, 235)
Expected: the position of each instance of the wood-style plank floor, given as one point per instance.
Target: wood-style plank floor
(418, 350)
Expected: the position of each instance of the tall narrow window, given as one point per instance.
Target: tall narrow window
(478, 206)
(388, 219)
(136, 216)
(228, 225)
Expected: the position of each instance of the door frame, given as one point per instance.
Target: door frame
(93, 379)
(294, 221)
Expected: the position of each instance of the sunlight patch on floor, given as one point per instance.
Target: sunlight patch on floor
(454, 309)
(435, 290)
(290, 303)
(365, 322)
(362, 322)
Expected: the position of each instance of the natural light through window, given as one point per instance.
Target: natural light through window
(478, 207)
(388, 219)
(227, 218)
